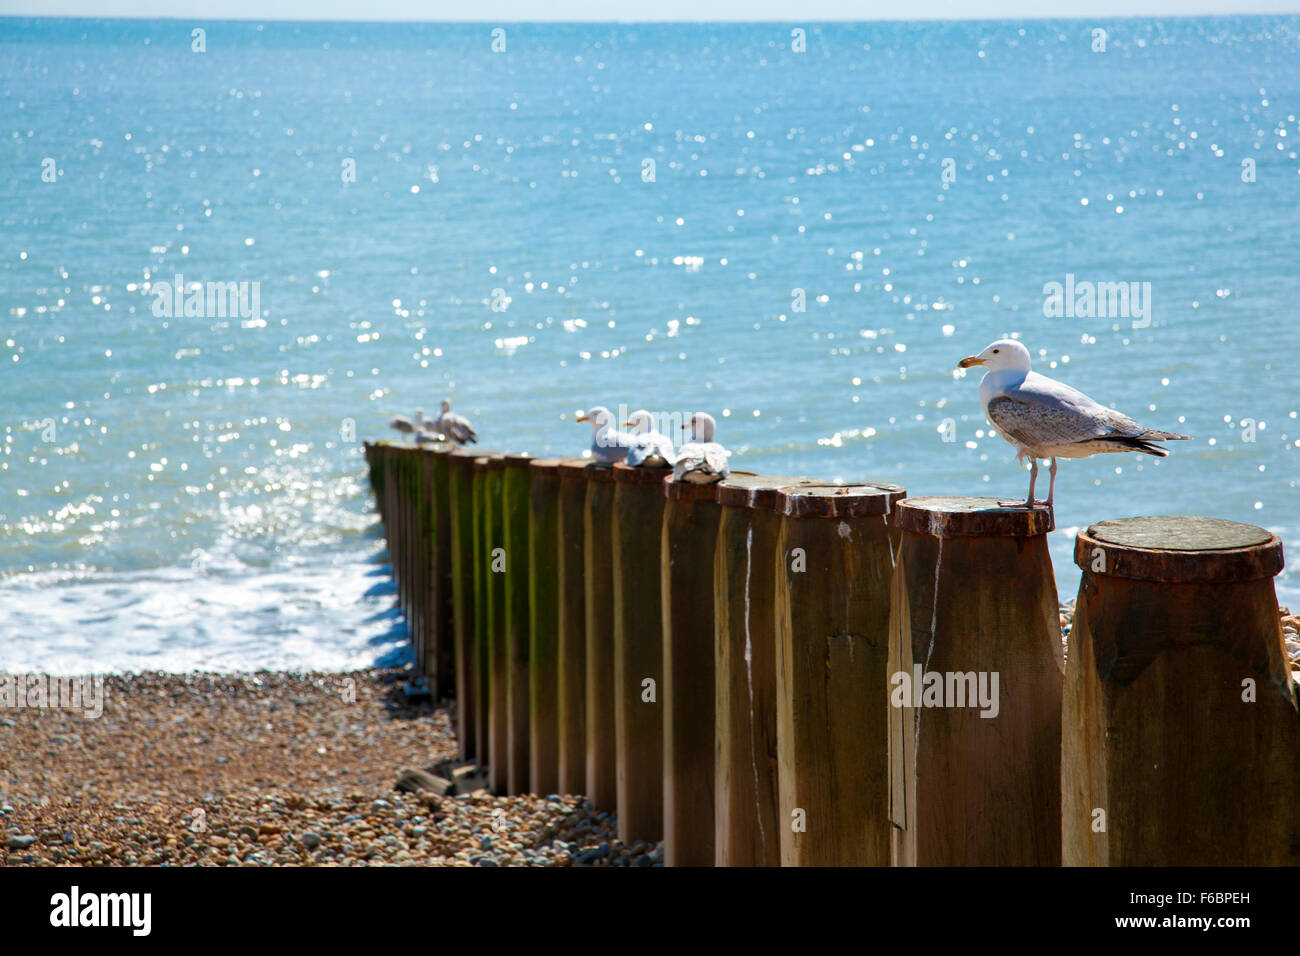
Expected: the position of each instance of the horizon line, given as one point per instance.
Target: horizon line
(1233, 14)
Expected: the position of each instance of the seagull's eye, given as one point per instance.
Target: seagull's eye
(995, 351)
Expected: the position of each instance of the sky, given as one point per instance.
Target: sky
(802, 11)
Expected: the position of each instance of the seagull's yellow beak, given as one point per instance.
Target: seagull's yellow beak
(627, 424)
(970, 360)
(582, 418)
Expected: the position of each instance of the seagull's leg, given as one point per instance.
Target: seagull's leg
(1029, 501)
(1051, 488)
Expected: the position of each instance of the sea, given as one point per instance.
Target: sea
(800, 228)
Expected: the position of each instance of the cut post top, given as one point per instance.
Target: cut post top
(553, 466)
(492, 461)
(690, 491)
(1179, 550)
(743, 489)
(957, 517)
(824, 499)
(518, 461)
(640, 476)
(587, 469)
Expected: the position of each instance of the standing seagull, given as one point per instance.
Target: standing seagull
(456, 427)
(649, 447)
(608, 444)
(701, 460)
(1044, 418)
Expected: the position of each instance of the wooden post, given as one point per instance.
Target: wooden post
(638, 651)
(495, 560)
(598, 578)
(571, 652)
(544, 625)
(690, 533)
(976, 692)
(392, 526)
(427, 593)
(461, 505)
(376, 458)
(832, 611)
(441, 650)
(1181, 743)
(515, 496)
(747, 829)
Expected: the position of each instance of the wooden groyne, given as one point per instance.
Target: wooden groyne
(781, 671)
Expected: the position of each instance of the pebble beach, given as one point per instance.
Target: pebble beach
(268, 769)
(280, 769)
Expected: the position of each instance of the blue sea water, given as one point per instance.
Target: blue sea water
(187, 491)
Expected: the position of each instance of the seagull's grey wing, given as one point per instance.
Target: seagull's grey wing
(689, 458)
(701, 461)
(459, 428)
(1042, 424)
(651, 445)
(715, 459)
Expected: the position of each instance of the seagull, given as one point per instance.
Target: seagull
(649, 447)
(1044, 418)
(456, 427)
(608, 444)
(701, 460)
(402, 424)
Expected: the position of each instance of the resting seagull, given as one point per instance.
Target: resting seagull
(1044, 418)
(649, 449)
(456, 427)
(701, 460)
(608, 444)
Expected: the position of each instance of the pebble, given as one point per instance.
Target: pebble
(311, 840)
(21, 842)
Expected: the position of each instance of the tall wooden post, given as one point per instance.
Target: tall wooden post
(832, 610)
(440, 646)
(1181, 742)
(544, 625)
(571, 650)
(976, 687)
(392, 524)
(460, 503)
(598, 577)
(747, 829)
(496, 561)
(638, 651)
(690, 533)
(515, 495)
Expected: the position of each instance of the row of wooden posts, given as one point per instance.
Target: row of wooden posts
(781, 671)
